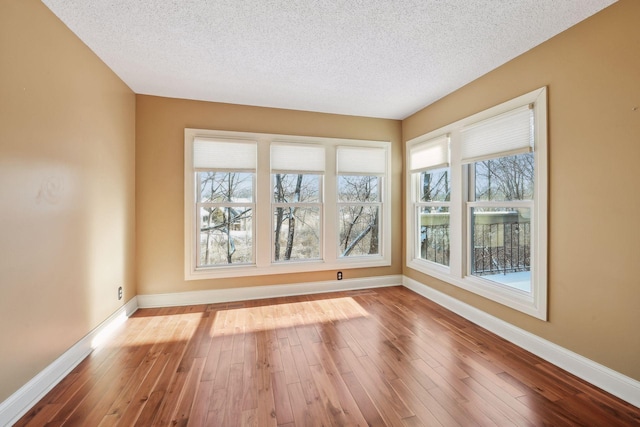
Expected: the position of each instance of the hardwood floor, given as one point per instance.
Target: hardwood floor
(378, 357)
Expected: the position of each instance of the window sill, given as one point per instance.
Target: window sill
(525, 302)
(283, 268)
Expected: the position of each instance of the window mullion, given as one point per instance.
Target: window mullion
(196, 233)
(264, 214)
(502, 204)
(459, 191)
(296, 205)
(330, 198)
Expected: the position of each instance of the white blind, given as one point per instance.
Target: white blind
(361, 160)
(212, 154)
(508, 133)
(431, 154)
(297, 158)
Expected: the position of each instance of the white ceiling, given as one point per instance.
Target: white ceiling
(376, 58)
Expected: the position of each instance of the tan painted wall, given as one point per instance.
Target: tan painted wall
(593, 76)
(67, 129)
(160, 124)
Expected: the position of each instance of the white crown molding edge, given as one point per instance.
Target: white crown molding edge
(212, 296)
(20, 402)
(619, 385)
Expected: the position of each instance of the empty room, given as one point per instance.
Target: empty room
(308, 213)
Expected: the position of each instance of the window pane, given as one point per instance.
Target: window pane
(294, 188)
(358, 188)
(502, 246)
(297, 233)
(434, 234)
(505, 178)
(220, 187)
(359, 231)
(435, 186)
(226, 235)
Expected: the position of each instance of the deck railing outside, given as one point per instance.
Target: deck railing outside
(498, 248)
(435, 243)
(501, 248)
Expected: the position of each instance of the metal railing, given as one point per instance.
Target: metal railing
(498, 248)
(501, 248)
(434, 243)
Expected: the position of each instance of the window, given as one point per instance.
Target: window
(225, 201)
(269, 204)
(498, 154)
(429, 168)
(297, 177)
(481, 222)
(360, 175)
(500, 219)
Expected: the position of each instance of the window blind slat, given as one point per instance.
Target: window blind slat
(431, 154)
(212, 154)
(297, 157)
(506, 133)
(361, 160)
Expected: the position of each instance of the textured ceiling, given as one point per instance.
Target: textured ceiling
(377, 58)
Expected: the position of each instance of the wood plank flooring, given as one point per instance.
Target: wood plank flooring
(383, 357)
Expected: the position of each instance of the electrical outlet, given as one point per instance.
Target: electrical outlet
(339, 275)
(119, 293)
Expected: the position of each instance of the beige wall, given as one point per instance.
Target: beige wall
(160, 124)
(67, 129)
(593, 76)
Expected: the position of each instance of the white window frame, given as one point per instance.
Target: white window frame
(193, 219)
(434, 156)
(533, 303)
(263, 215)
(293, 169)
(367, 163)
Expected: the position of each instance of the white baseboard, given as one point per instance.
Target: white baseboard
(260, 292)
(619, 385)
(16, 405)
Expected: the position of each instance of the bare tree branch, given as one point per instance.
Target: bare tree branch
(357, 240)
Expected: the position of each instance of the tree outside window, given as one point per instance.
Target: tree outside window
(297, 216)
(226, 214)
(359, 215)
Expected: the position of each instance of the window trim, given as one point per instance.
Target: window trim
(534, 303)
(263, 237)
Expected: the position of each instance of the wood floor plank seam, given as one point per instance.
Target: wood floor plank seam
(379, 357)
